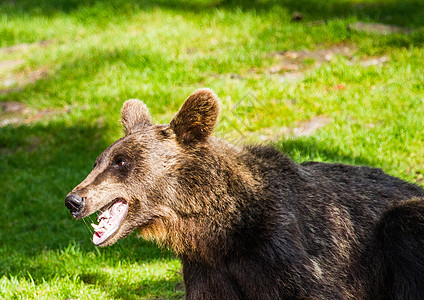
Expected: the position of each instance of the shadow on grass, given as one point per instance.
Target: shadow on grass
(399, 12)
(40, 241)
(40, 164)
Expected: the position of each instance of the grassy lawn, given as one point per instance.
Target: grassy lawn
(314, 88)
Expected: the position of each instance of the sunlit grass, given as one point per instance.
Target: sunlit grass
(95, 55)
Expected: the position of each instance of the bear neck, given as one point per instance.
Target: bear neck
(226, 200)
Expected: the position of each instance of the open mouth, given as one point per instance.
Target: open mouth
(110, 219)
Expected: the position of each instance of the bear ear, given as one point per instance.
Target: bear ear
(134, 116)
(196, 119)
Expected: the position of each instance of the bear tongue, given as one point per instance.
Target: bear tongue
(110, 222)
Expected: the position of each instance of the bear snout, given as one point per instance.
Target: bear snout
(75, 204)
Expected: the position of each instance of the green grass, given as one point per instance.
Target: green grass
(99, 53)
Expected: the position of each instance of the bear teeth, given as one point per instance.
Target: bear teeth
(99, 227)
(104, 215)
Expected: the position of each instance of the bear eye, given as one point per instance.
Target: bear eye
(120, 163)
(95, 165)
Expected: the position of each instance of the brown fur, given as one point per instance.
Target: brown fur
(135, 116)
(249, 223)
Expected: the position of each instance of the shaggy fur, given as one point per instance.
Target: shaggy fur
(248, 222)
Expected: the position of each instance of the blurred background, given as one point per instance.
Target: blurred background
(334, 81)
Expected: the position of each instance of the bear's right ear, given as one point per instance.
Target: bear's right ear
(196, 119)
(134, 116)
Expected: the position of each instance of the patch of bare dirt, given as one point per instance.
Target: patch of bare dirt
(24, 46)
(11, 78)
(12, 113)
(378, 28)
(18, 113)
(41, 114)
(309, 127)
(8, 65)
(291, 65)
(13, 82)
(306, 128)
(374, 61)
(14, 107)
(320, 56)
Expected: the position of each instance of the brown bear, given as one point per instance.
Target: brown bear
(248, 222)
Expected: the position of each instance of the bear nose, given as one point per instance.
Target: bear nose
(75, 204)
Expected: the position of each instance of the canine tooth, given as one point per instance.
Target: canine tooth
(104, 215)
(96, 227)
